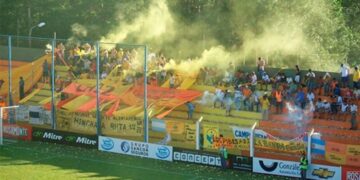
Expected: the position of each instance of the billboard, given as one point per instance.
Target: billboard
(196, 157)
(17, 131)
(62, 137)
(135, 148)
(276, 167)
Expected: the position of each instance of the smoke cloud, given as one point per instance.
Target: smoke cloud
(284, 32)
(150, 25)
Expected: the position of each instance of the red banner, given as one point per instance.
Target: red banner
(16, 131)
(349, 173)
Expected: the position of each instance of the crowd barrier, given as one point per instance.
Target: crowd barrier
(168, 153)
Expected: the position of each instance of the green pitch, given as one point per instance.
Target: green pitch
(35, 160)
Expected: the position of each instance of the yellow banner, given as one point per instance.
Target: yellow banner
(86, 123)
(280, 145)
(353, 150)
(231, 143)
(335, 158)
(31, 73)
(175, 127)
(209, 134)
(190, 130)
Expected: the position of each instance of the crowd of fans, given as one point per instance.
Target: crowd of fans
(324, 95)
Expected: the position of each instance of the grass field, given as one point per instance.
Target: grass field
(36, 160)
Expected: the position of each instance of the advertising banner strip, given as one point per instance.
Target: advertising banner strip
(316, 171)
(16, 131)
(196, 157)
(62, 137)
(292, 169)
(276, 167)
(135, 148)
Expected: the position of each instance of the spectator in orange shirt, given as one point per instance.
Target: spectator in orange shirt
(2, 102)
(247, 93)
(279, 101)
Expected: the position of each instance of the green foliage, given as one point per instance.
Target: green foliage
(330, 27)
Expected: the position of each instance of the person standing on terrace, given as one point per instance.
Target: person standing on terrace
(297, 78)
(279, 101)
(191, 108)
(344, 71)
(261, 66)
(265, 105)
(356, 78)
(327, 84)
(353, 111)
(253, 81)
(310, 80)
(21, 88)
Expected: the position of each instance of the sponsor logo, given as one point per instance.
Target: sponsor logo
(107, 144)
(15, 131)
(241, 134)
(352, 175)
(269, 168)
(84, 140)
(38, 133)
(323, 173)
(125, 146)
(70, 138)
(52, 136)
(210, 134)
(163, 152)
(197, 158)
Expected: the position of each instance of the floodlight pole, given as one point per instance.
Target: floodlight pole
(10, 98)
(98, 117)
(41, 24)
(198, 122)
(53, 116)
(252, 140)
(146, 118)
(309, 146)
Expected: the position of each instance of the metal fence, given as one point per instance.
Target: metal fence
(75, 86)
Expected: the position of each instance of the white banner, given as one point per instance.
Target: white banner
(317, 171)
(135, 148)
(39, 116)
(242, 133)
(22, 113)
(276, 167)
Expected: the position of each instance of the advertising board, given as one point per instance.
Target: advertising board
(135, 148)
(62, 137)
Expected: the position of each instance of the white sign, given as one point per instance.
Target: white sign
(242, 133)
(135, 148)
(22, 113)
(197, 158)
(276, 167)
(316, 171)
(39, 116)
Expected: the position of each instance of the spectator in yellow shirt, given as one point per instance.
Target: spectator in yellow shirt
(265, 104)
(356, 78)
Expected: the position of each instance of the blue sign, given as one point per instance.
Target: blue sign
(163, 152)
(107, 144)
